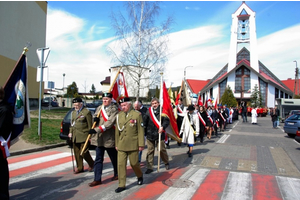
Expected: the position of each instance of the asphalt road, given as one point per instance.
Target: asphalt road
(244, 151)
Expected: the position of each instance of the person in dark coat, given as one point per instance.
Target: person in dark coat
(215, 118)
(153, 130)
(203, 122)
(6, 126)
(138, 105)
(180, 115)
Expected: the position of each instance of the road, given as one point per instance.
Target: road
(246, 162)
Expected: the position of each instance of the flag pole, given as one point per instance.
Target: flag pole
(94, 124)
(160, 111)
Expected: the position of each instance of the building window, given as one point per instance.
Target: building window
(263, 91)
(222, 87)
(242, 80)
(276, 93)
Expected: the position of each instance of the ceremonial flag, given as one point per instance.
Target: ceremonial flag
(200, 101)
(216, 102)
(119, 90)
(167, 111)
(16, 94)
(182, 94)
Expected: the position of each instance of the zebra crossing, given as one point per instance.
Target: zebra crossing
(189, 182)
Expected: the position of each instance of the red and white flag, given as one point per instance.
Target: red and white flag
(167, 111)
(119, 90)
(200, 101)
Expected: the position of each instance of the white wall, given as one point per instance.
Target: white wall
(271, 96)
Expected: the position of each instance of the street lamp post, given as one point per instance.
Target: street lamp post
(185, 71)
(63, 81)
(296, 80)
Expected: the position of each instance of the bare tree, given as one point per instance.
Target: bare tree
(141, 42)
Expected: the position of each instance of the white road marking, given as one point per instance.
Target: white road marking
(238, 186)
(223, 139)
(289, 187)
(186, 193)
(34, 161)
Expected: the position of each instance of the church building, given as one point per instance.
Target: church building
(244, 71)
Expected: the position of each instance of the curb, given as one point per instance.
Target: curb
(15, 153)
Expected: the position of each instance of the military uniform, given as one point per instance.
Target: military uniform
(81, 122)
(129, 137)
(104, 139)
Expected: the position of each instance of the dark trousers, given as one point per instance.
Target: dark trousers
(98, 165)
(4, 178)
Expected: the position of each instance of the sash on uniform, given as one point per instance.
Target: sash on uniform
(156, 122)
(180, 111)
(222, 116)
(210, 119)
(201, 119)
(104, 116)
(4, 145)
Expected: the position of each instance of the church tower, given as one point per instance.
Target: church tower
(243, 32)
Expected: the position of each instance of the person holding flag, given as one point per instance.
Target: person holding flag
(6, 126)
(104, 137)
(154, 127)
(190, 128)
(180, 115)
(14, 115)
(81, 123)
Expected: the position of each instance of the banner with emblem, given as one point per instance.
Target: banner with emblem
(183, 94)
(16, 94)
(119, 90)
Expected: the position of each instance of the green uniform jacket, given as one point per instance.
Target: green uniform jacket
(106, 138)
(129, 131)
(80, 125)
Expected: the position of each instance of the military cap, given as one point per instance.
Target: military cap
(107, 94)
(125, 99)
(77, 100)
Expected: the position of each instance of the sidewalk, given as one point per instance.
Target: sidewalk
(22, 147)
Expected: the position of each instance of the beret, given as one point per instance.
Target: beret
(77, 100)
(125, 99)
(107, 95)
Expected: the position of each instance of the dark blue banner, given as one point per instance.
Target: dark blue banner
(16, 94)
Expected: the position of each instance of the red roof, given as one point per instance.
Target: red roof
(196, 85)
(290, 83)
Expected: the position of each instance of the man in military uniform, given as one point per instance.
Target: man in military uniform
(151, 121)
(129, 141)
(81, 123)
(104, 137)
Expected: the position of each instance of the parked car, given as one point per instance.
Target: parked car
(291, 125)
(292, 112)
(95, 103)
(45, 102)
(65, 126)
(297, 137)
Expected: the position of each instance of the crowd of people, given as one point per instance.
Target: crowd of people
(122, 129)
(123, 132)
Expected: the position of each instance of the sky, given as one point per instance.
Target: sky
(79, 32)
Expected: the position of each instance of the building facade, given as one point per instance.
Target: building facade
(244, 71)
(22, 22)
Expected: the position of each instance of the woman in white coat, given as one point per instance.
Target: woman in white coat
(254, 115)
(189, 128)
